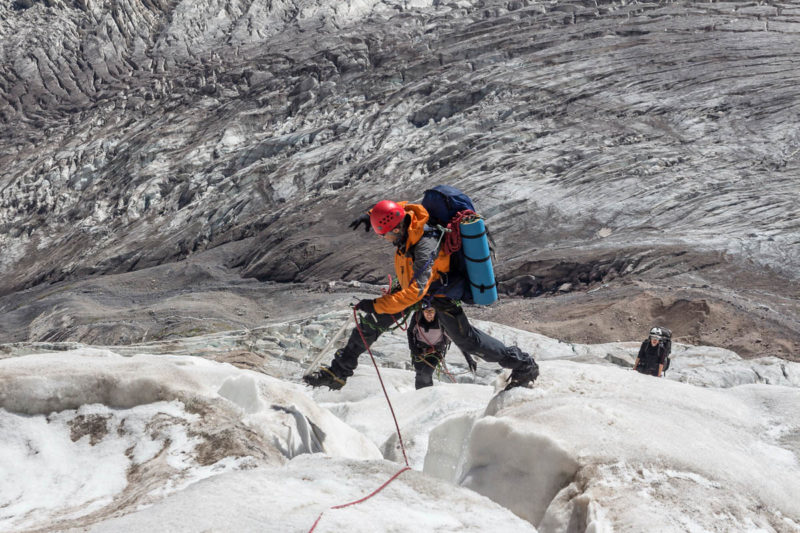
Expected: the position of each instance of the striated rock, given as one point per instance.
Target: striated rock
(139, 133)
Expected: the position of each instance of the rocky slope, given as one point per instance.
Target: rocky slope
(159, 154)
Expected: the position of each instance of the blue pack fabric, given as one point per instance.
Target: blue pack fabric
(443, 202)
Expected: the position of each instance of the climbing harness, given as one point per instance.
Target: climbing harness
(440, 366)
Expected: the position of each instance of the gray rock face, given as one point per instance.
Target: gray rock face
(647, 146)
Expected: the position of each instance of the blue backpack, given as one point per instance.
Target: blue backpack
(443, 203)
(470, 280)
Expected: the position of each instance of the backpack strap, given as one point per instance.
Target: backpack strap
(430, 233)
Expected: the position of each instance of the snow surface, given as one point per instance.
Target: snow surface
(95, 440)
(292, 497)
(154, 423)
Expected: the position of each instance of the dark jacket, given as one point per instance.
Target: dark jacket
(651, 356)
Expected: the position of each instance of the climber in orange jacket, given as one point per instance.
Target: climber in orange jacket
(422, 270)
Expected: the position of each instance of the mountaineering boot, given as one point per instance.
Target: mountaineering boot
(324, 377)
(523, 377)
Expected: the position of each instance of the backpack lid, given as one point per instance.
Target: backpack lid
(443, 202)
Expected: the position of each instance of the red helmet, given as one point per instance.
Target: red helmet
(385, 216)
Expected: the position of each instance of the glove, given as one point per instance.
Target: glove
(363, 219)
(367, 306)
(473, 366)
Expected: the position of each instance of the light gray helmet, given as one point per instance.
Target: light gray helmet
(657, 333)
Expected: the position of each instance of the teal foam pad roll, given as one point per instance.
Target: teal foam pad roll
(475, 245)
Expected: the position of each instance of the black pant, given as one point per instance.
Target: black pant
(468, 338)
(424, 365)
(651, 371)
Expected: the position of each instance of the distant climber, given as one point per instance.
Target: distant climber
(429, 344)
(422, 269)
(653, 358)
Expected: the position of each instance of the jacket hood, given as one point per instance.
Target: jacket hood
(419, 217)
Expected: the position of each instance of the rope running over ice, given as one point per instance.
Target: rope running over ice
(367, 497)
(396, 425)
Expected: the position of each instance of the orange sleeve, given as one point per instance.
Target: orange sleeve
(408, 296)
(400, 300)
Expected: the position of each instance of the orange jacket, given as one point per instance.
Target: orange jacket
(412, 258)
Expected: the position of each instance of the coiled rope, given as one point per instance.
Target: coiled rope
(452, 239)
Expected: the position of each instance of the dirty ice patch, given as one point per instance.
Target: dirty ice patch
(46, 383)
(155, 424)
(75, 462)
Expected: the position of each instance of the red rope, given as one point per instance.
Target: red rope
(396, 425)
(365, 498)
(400, 324)
(452, 239)
(446, 371)
(386, 394)
(376, 491)
(389, 289)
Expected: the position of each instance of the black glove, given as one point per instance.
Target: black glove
(363, 219)
(368, 306)
(473, 366)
